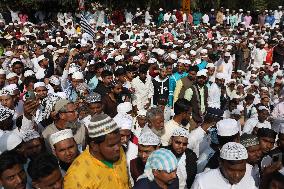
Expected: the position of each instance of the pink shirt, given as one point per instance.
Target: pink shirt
(247, 20)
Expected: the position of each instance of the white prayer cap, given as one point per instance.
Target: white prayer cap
(279, 73)
(11, 87)
(262, 42)
(50, 47)
(124, 122)
(186, 45)
(54, 80)
(151, 60)
(233, 151)
(235, 96)
(29, 135)
(210, 65)
(123, 46)
(9, 141)
(180, 60)
(77, 75)
(173, 56)
(40, 58)
(39, 84)
(280, 7)
(202, 73)
(160, 9)
(118, 58)
(141, 112)
(28, 73)
(160, 52)
(11, 75)
(212, 9)
(220, 76)
(15, 60)
(229, 47)
(9, 53)
(148, 138)
(59, 136)
(2, 72)
(132, 49)
(264, 88)
(227, 127)
(263, 108)
(227, 54)
(193, 52)
(124, 107)
(209, 46)
(180, 132)
(241, 10)
(204, 51)
(232, 81)
(256, 83)
(276, 64)
(186, 61)
(236, 111)
(227, 10)
(136, 59)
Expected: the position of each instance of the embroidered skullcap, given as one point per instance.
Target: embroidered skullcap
(60, 135)
(248, 140)
(263, 108)
(180, 132)
(54, 80)
(233, 151)
(60, 105)
(28, 73)
(124, 107)
(77, 75)
(93, 98)
(123, 121)
(5, 92)
(39, 84)
(227, 127)
(9, 141)
(202, 73)
(29, 135)
(220, 76)
(162, 160)
(5, 113)
(11, 75)
(100, 125)
(149, 139)
(11, 87)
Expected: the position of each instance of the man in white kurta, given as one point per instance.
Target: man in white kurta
(215, 179)
(260, 55)
(214, 92)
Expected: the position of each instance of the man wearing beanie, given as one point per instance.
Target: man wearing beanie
(103, 163)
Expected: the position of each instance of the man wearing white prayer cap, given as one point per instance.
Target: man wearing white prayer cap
(232, 173)
(147, 143)
(10, 140)
(76, 78)
(216, 91)
(225, 66)
(40, 90)
(64, 148)
(12, 78)
(32, 143)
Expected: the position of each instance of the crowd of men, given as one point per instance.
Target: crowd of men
(167, 101)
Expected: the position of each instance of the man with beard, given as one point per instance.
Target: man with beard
(65, 117)
(103, 163)
(182, 110)
(147, 143)
(187, 166)
(64, 148)
(161, 86)
(232, 173)
(197, 94)
(155, 120)
(216, 92)
(251, 143)
(160, 171)
(12, 173)
(45, 172)
(103, 86)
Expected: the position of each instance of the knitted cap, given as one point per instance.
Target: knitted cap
(101, 125)
(233, 151)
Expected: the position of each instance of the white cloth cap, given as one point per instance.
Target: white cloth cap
(77, 75)
(193, 52)
(220, 76)
(11, 75)
(233, 151)
(263, 108)
(124, 107)
(149, 139)
(39, 84)
(59, 136)
(2, 72)
(181, 132)
(29, 135)
(210, 65)
(202, 73)
(123, 46)
(40, 58)
(28, 73)
(141, 112)
(54, 80)
(227, 127)
(9, 141)
(227, 54)
(124, 122)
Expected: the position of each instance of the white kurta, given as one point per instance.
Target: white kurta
(259, 57)
(213, 179)
(214, 96)
(142, 92)
(251, 123)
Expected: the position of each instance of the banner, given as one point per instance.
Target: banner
(186, 6)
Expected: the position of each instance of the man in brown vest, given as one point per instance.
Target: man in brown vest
(197, 94)
(185, 83)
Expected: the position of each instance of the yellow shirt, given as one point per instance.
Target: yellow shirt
(87, 172)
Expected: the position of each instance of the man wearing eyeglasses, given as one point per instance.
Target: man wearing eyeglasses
(65, 116)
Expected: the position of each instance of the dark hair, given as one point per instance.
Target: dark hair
(29, 79)
(193, 68)
(18, 62)
(119, 72)
(106, 73)
(277, 176)
(42, 166)
(99, 65)
(181, 105)
(143, 68)
(225, 139)
(9, 159)
(266, 132)
(249, 97)
(100, 139)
